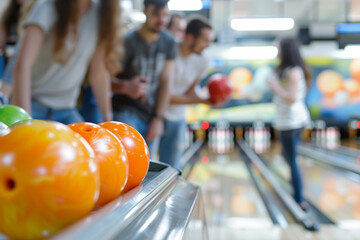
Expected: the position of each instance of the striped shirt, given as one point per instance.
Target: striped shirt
(292, 115)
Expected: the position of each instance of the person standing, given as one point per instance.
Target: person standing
(289, 84)
(177, 26)
(190, 66)
(141, 90)
(61, 39)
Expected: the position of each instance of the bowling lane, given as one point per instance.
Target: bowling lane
(332, 192)
(232, 202)
(349, 148)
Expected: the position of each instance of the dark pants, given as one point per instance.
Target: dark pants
(89, 109)
(289, 140)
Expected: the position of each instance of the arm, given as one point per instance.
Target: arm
(31, 44)
(163, 95)
(155, 127)
(190, 97)
(99, 79)
(289, 94)
(134, 88)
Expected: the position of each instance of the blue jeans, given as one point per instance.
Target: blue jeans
(89, 109)
(172, 143)
(289, 140)
(65, 116)
(131, 118)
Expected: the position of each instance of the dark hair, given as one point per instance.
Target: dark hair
(174, 16)
(159, 4)
(290, 57)
(108, 29)
(11, 17)
(195, 26)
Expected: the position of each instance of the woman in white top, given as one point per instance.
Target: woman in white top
(289, 84)
(61, 39)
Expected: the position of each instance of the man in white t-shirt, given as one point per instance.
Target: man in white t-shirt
(190, 67)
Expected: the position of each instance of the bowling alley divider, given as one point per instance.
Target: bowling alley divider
(300, 216)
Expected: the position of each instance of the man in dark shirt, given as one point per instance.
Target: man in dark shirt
(141, 90)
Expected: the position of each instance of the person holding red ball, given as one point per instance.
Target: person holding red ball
(61, 39)
(190, 68)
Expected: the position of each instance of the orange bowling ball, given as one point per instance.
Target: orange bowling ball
(136, 149)
(110, 156)
(48, 179)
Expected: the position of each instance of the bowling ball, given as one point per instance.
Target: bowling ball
(136, 149)
(220, 87)
(10, 114)
(48, 179)
(110, 156)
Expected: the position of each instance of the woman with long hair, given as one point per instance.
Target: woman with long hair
(61, 39)
(289, 84)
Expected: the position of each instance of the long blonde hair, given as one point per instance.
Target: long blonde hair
(109, 31)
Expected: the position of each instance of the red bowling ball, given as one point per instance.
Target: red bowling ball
(220, 87)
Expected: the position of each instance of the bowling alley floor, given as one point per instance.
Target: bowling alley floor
(234, 209)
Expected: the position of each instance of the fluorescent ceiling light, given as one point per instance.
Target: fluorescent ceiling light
(352, 49)
(253, 52)
(262, 24)
(185, 5)
(126, 5)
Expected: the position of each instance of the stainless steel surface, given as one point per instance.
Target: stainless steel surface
(168, 215)
(116, 216)
(197, 226)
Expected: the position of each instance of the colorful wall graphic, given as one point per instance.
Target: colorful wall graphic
(333, 96)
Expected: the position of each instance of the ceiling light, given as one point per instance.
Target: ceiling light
(185, 5)
(352, 49)
(253, 52)
(262, 24)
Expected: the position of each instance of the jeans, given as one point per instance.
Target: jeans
(289, 140)
(131, 118)
(172, 143)
(89, 109)
(65, 116)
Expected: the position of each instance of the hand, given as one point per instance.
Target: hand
(155, 129)
(135, 88)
